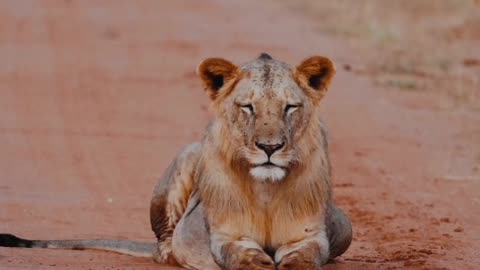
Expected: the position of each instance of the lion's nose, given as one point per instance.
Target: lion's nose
(270, 148)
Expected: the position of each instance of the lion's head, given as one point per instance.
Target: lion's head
(264, 110)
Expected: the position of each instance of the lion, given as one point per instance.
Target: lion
(255, 192)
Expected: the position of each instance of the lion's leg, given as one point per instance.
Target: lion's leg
(239, 253)
(170, 199)
(163, 225)
(311, 253)
(191, 240)
(308, 254)
(339, 232)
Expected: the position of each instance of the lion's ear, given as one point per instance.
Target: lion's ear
(314, 75)
(216, 73)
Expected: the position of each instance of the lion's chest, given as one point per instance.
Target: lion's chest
(275, 221)
(272, 215)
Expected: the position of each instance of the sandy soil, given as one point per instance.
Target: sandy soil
(96, 97)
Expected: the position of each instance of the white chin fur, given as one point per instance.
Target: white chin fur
(263, 173)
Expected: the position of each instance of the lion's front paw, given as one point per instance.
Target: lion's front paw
(252, 259)
(298, 261)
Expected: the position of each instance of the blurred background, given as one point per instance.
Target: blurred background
(97, 97)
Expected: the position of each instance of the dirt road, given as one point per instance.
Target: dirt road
(96, 97)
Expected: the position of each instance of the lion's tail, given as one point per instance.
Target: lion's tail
(133, 248)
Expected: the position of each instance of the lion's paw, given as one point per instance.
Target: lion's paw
(298, 261)
(253, 259)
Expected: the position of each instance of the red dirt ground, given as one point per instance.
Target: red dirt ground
(96, 99)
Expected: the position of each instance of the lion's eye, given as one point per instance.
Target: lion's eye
(290, 108)
(248, 108)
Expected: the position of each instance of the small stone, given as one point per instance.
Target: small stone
(445, 219)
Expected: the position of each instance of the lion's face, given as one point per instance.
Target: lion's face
(264, 108)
